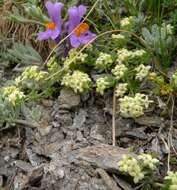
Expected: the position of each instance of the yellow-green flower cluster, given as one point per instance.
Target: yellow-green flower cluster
(124, 55)
(133, 106)
(119, 39)
(52, 65)
(141, 56)
(172, 178)
(74, 57)
(119, 71)
(174, 79)
(167, 29)
(142, 72)
(127, 23)
(13, 95)
(134, 57)
(148, 161)
(137, 167)
(130, 165)
(54, 70)
(103, 83)
(121, 89)
(104, 61)
(32, 73)
(78, 81)
(31, 77)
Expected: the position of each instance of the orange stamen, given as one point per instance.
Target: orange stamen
(50, 25)
(82, 28)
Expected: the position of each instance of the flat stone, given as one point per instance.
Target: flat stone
(149, 121)
(68, 98)
(25, 166)
(136, 134)
(101, 156)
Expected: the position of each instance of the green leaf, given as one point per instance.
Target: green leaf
(25, 54)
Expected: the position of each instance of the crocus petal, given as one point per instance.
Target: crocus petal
(74, 18)
(82, 10)
(74, 41)
(55, 33)
(66, 25)
(54, 11)
(44, 35)
(86, 38)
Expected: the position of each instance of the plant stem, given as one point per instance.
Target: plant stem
(26, 123)
(170, 144)
(113, 120)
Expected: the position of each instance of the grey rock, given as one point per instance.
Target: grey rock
(79, 136)
(101, 156)
(24, 166)
(34, 159)
(154, 121)
(45, 129)
(97, 184)
(55, 124)
(112, 185)
(35, 175)
(65, 119)
(54, 169)
(136, 134)
(63, 111)
(123, 184)
(68, 99)
(1, 181)
(60, 173)
(155, 146)
(20, 182)
(30, 135)
(79, 119)
(95, 133)
(47, 103)
(7, 158)
(125, 140)
(51, 148)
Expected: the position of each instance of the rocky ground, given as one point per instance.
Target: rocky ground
(70, 148)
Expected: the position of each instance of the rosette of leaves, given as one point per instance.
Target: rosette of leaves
(24, 54)
(160, 40)
(27, 12)
(8, 112)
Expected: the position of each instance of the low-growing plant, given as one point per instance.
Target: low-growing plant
(129, 62)
(24, 55)
(170, 181)
(119, 68)
(11, 100)
(161, 41)
(141, 168)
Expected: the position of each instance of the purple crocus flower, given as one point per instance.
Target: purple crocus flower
(53, 28)
(80, 31)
